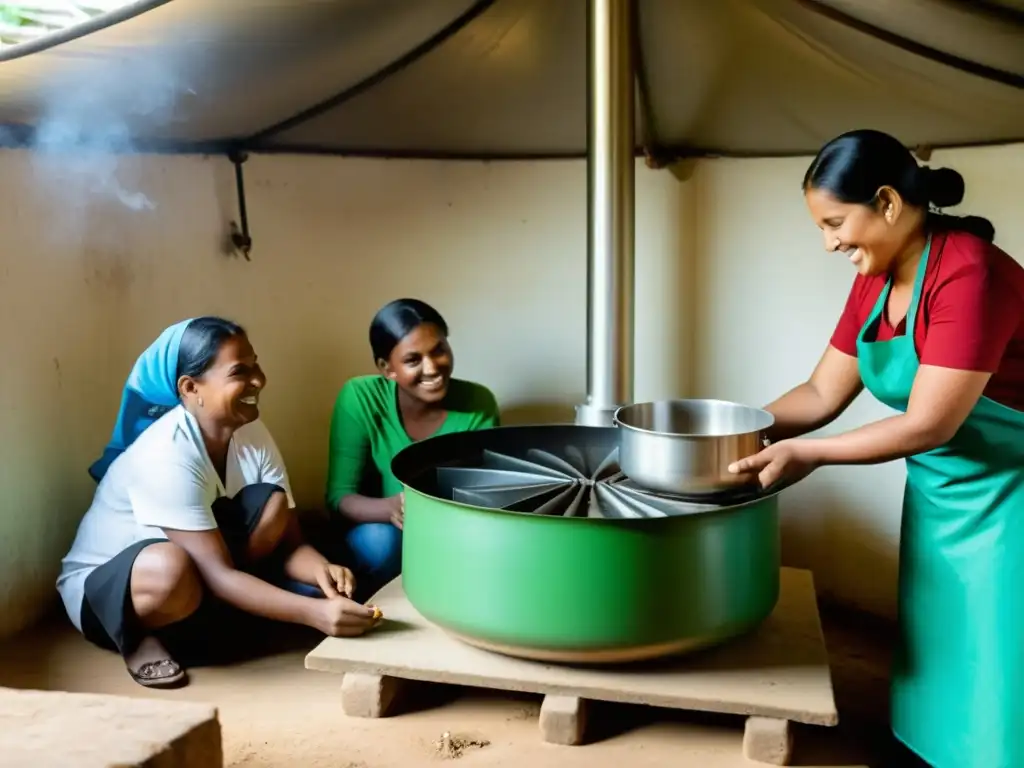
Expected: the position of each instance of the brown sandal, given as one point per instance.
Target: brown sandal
(165, 673)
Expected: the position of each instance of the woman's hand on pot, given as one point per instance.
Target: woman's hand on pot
(398, 510)
(336, 581)
(788, 460)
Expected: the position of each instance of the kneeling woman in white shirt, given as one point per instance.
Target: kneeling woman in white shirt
(193, 513)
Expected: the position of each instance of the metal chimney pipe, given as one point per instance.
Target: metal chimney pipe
(610, 205)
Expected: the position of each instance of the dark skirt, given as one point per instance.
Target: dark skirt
(210, 635)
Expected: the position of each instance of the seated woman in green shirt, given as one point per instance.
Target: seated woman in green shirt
(413, 397)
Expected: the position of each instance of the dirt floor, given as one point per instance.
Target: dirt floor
(275, 714)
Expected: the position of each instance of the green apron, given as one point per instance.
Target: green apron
(958, 676)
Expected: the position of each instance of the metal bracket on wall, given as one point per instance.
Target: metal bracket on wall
(923, 153)
(240, 239)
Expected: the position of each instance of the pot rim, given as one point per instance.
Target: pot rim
(767, 417)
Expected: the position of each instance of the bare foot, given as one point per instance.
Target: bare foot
(151, 665)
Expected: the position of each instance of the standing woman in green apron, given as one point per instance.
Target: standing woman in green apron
(934, 329)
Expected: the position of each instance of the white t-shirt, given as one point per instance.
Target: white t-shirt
(164, 480)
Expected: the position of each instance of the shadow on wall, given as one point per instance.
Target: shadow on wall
(821, 511)
(538, 412)
(298, 402)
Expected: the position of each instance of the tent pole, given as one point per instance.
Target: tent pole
(610, 210)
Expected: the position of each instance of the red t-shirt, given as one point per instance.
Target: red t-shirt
(971, 315)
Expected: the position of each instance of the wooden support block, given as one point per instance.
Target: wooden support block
(365, 695)
(768, 740)
(563, 719)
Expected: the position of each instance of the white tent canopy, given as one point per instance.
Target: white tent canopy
(507, 78)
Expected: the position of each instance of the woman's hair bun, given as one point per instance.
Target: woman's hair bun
(944, 187)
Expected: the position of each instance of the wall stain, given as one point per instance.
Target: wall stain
(106, 269)
(60, 375)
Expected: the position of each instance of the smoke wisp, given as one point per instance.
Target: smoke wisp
(90, 124)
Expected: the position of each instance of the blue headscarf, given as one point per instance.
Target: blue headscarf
(150, 391)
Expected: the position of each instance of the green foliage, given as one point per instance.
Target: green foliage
(27, 20)
(13, 15)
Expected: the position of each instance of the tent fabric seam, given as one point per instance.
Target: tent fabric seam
(919, 49)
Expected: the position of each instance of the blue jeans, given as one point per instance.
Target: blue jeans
(373, 552)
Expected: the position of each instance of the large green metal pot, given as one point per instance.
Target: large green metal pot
(640, 577)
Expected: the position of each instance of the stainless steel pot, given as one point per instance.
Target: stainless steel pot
(686, 446)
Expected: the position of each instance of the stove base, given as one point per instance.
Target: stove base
(776, 674)
(604, 656)
(612, 656)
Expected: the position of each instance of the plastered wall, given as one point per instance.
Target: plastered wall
(735, 299)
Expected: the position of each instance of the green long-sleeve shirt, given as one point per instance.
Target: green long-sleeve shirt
(367, 432)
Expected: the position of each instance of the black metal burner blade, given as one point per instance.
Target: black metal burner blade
(579, 483)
